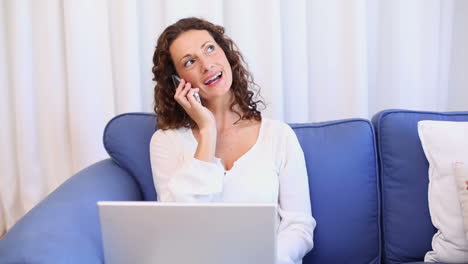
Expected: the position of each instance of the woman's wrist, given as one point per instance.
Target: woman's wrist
(206, 144)
(208, 131)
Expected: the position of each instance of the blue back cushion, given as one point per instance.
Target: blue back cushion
(341, 164)
(342, 170)
(406, 225)
(126, 139)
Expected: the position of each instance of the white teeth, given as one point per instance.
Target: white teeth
(214, 78)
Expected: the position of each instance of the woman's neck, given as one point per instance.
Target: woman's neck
(221, 109)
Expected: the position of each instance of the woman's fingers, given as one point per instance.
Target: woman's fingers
(179, 87)
(181, 96)
(186, 89)
(184, 95)
(191, 96)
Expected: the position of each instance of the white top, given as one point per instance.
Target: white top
(272, 171)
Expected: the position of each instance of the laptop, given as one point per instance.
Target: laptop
(188, 233)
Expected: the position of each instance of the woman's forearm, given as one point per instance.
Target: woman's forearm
(207, 145)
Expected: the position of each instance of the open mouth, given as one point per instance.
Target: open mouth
(214, 79)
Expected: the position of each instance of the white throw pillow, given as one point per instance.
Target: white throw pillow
(444, 144)
(461, 177)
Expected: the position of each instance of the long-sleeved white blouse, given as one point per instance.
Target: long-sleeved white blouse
(272, 171)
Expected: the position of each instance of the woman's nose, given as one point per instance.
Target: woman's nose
(206, 64)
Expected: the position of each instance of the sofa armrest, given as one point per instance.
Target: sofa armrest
(64, 227)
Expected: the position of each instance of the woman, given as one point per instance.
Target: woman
(222, 150)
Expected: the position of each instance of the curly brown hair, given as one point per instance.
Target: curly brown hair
(169, 113)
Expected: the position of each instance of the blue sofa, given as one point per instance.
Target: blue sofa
(368, 187)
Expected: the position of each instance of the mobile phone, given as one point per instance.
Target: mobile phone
(176, 81)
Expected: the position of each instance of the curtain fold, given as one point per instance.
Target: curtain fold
(90, 86)
(50, 86)
(26, 184)
(67, 67)
(9, 187)
(337, 45)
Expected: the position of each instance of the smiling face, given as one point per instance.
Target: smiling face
(198, 59)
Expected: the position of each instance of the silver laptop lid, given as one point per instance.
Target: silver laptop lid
(180, 233)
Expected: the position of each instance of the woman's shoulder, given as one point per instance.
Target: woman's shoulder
(276, 126)
(168, 135)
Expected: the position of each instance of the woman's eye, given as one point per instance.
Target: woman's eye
(210, 48)
(188, 63)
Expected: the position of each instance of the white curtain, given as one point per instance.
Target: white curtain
(68, 66)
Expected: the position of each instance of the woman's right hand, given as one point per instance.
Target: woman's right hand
(184, 95)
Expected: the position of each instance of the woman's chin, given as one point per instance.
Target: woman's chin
(217, 92)
(215, 96)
